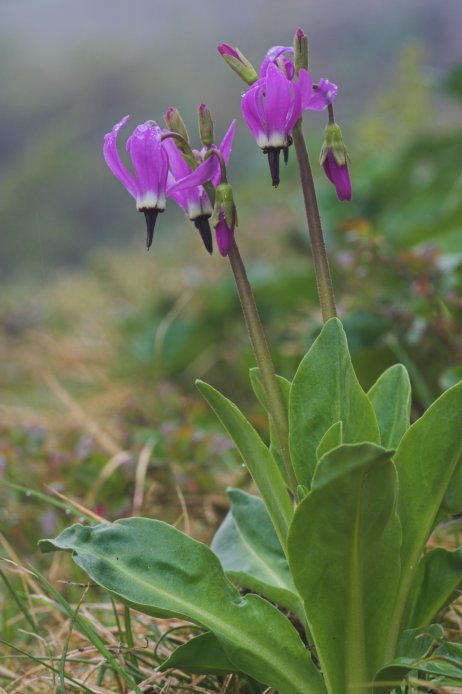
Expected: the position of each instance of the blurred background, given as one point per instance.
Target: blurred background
(100, 342)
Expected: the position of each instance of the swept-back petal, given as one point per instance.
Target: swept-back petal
(113, 160)
(277, 105)
(272, 55)
(254, 113)
(322, 96)
(149, 161)
(204, 173)
(296, 108)
(177, 164)
(226, 144)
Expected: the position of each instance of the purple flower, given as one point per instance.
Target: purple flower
(338, 175)
(185, 185)
(276, 56)
(150, 163)
(224, 233)
(334, 160)
(274, 104)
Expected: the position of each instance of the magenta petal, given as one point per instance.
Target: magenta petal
(150, 162)
(272, 55)
(339, 176)
(227, 141)
(113, 160)
(225, 149)
(322, 96)
(226, 49)
(177, 164)
(296, 108)
(253, 111)
(224, 235)
(277, 105)
(204, 173)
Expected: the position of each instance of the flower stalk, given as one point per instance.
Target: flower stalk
(263, 358)
(321, 263)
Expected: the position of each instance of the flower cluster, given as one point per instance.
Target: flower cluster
(165, 166)
(164, 169)
(276, 100)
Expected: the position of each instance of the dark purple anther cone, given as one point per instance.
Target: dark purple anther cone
(203, 226)
(150, 215)
(273, 161)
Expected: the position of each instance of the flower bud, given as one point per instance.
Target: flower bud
(238, 62)
(205, 125)
(300, 51)
(175, 123)
(334, 160)
(333, 141)
(224, 217)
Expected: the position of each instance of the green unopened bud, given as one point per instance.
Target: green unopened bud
(175, 123)
(238, 62)
(224, 202)
(333, 141)
(205, 125)
(300, 51)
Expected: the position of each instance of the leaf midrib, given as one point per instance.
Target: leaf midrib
(237, 636)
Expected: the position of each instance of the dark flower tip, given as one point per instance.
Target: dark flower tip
(273, 161)
(203, 226)
(299, 34)
(150, 214)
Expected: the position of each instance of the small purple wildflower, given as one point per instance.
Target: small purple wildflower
(334, 160)
(273, 104)
(150, 163)
(185, 184)
(338, 175)
(224, 233)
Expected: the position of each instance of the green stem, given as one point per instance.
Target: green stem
(321, 263)
(257, 336)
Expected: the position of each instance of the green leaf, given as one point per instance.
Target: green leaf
(325, 390)
(158, 570)
(426, 460)
(349, 576)
(391, 399)
(436, 584)
(331, 439)
(257, 385)
(251, 554)
(256, 456)
(202, 655)
(414, 644)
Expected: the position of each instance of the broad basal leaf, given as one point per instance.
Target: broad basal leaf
(251, 554)
(344, 546)
(437, 583)
(256, 456)
(413, 646)
(391, 399)
(158, 570)
(426, 460)
(202, 655)
(325, 390)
